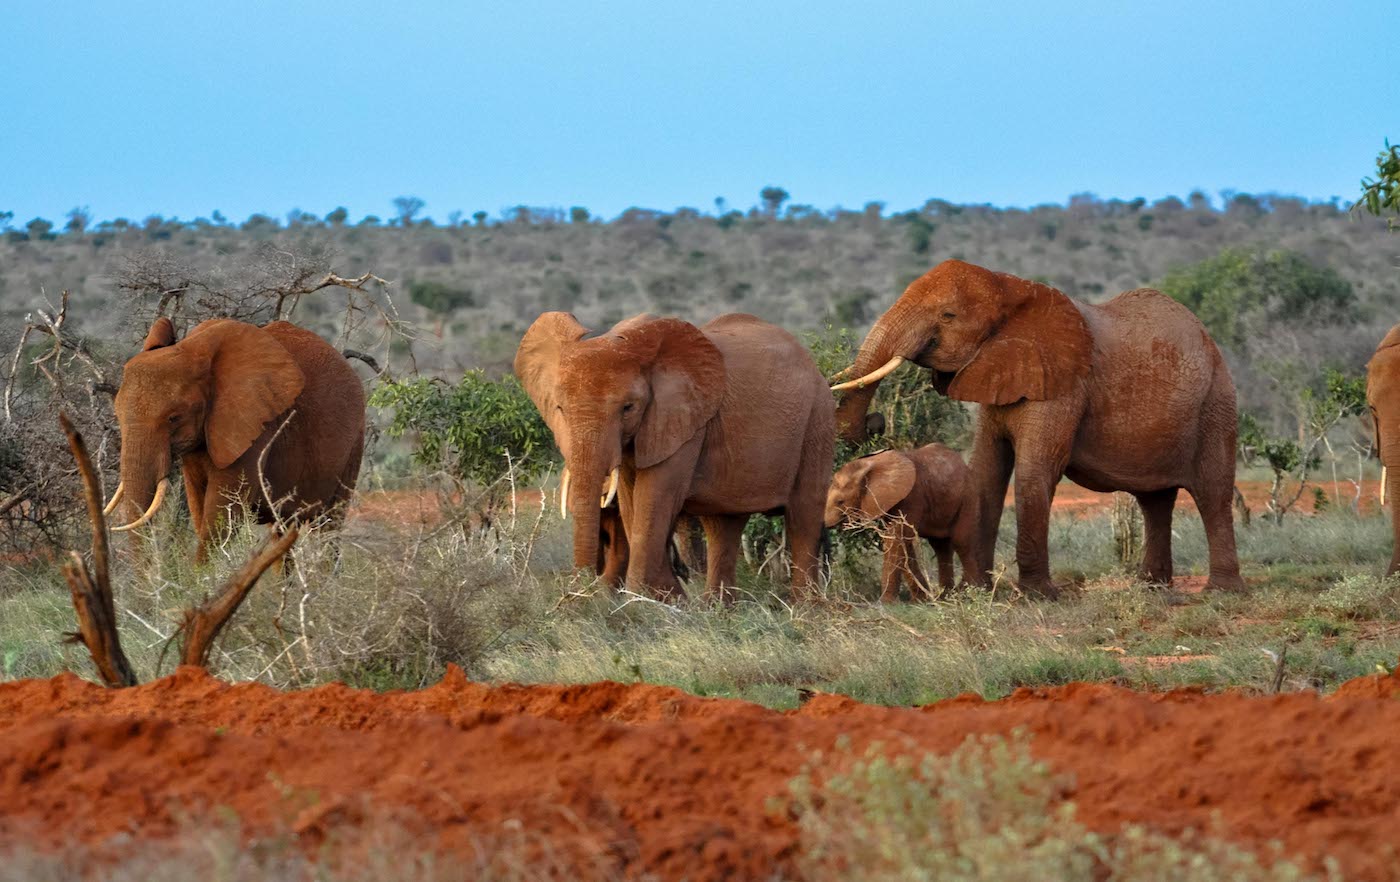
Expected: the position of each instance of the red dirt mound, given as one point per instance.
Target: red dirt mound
(652, 780)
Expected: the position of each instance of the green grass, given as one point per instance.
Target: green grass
(396, 607)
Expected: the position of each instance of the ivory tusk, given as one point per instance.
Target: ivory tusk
(1382, 486)
(843, 373)
(564, 494)
(163, 486)
(878, 374)
(612, 490)
(116, 497)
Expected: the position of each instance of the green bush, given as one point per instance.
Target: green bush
(1238, 285)
(479, 431)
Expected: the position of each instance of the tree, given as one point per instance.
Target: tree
(39, 228)
(773, 199)
(79, 219)
(338, 216)
(407, 208)
(1342, 396)
(578, 215)
(1227, 290)
(1381, 195)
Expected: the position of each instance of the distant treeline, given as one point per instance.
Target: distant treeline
(1320, 281)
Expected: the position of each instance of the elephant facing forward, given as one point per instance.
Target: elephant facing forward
(721, 421)
(1129, 395)
(269, 419)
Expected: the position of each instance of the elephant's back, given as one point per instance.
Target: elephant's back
(750, 344)
(328, 373)
(330, 422)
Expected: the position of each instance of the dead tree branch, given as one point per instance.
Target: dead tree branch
(202, 624)
(92, 589)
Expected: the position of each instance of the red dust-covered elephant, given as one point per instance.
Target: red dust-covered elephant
(269, 419)
(1129, 395)
(720, 421)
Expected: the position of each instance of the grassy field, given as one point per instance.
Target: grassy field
(390, 608)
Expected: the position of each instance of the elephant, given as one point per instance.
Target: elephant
(721, 422)
(1383, 399)
(1129, 395)
(927, 492)
(269, 419)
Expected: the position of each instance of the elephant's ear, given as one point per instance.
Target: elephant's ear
(537, 366)
(161, 334)
(254, 379)
(1039, 352)
(687, 386)
(889, 479)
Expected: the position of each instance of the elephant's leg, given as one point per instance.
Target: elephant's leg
(943, 550)
(1392, 485)
(1157, 510)
(807, 504)
(803, 525)
(964, 543)
(196, 486)
(893, 569)
(1215, 502)
(613, 548)
(649, 515)
(991, 464)
(1035, 490)
(1214, 486)
(723, 534)
(918, 583)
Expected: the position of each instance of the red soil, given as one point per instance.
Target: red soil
(652, 780)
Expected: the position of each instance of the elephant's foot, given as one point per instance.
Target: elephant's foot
(1040, 589)
(1233, 584)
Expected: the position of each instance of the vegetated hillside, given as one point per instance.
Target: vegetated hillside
(474, 287)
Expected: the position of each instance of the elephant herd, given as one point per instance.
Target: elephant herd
(662, 423)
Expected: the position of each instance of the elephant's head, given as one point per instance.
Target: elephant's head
(869, 487)
(641, 391)
(215, 391)
(988, 337)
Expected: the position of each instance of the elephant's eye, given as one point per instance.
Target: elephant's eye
(627, 408)
(948, 316)
(174, 418)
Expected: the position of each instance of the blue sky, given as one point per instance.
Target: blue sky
(137, 108)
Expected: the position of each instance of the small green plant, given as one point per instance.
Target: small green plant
(987, 811)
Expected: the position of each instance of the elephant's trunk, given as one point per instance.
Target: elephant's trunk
(585, 491)
(893, 335)
(145, 461)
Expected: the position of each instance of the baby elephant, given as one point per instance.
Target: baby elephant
(911, 493)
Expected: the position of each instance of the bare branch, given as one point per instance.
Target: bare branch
(203, 623)
(92, 589)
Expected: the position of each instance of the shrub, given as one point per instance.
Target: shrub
(989, 810)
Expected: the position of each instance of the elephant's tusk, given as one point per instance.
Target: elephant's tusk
(874, 376)
(612, 490)
(843, 373)
(116, 497)
(564, 494)
(163, 486)
(1382, 486)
